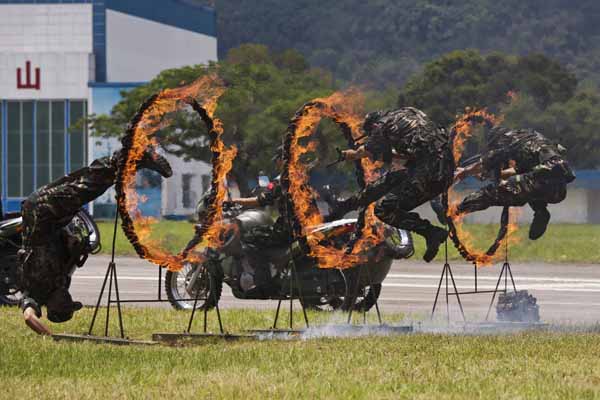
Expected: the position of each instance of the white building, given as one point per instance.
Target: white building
(62, 59)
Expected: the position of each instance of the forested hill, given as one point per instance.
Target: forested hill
(384, 41)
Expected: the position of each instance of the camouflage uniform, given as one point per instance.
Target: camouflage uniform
(44, 269)
(411, 135)
(542, 175)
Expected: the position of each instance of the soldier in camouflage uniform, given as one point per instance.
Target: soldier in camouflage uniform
(407, 136)
(539, 176)
(45, 265)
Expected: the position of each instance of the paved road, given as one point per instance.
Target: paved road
(566, 293)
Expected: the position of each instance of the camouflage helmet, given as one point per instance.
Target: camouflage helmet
(61, 306)
(371, 120)
(496, 137)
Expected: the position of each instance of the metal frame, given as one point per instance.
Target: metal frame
(111, 277)
(447, 275)
(293, 276)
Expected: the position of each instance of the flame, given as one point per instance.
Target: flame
(464, 131)
(155, 114)
(341, 108)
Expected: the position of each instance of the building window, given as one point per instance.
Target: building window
(188, 197)
(57, 139)
(19, 121)
(42, 139)
(77, 135)
(38, 149)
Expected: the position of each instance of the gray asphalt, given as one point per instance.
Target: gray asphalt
(567, 293)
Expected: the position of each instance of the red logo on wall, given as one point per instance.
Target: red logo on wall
(36, 84)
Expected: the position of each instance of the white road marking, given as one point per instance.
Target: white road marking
(558, 285)
(492, 278)
(124, 278)
(593, 282)
(555, 287)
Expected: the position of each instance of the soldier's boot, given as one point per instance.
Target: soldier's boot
(541, 217)
(154, 161)
(434, 237)
(437, 205)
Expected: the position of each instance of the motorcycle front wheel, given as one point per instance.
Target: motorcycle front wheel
(182, 294)
(12, 298)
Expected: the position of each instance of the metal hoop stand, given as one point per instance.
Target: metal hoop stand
(447, 277)
(112, 280)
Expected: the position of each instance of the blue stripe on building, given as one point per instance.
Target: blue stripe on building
(177, 13)
(115, 84)
(99, 38)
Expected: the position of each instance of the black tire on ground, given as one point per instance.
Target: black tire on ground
(180, 299)
(369, 299)
(328, 302)
(9, 300)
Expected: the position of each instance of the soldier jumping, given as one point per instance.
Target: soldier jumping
(406, 136)
(44, 263)
(540, 175)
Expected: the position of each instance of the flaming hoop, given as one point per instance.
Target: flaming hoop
(155, 114)
(305, 215)
(461, 239)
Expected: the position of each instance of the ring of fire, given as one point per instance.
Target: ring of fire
(305, 214)
(462, 131)
(153, 115)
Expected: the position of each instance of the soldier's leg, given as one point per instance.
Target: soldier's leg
(371, 193)
(395, 209)
(509, 193)
(541, 217)
(544, 191)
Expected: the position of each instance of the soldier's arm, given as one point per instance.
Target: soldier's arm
(34, 323)
(508, 172)
(471, 170)
(353, 155)
(247, 201)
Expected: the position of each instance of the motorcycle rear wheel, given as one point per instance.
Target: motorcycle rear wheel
(208, 289)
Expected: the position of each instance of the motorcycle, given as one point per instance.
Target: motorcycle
(81, 230)
(235, 264)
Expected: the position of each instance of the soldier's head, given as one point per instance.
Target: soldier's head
(61, 306)
(152, 160)
(372, 122)
(496, 138)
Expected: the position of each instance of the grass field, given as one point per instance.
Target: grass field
(567, 243)
(422, 366)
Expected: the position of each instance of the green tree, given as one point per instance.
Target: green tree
(470, 79)
(545, 97)
(574, 123)
(383, 42)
